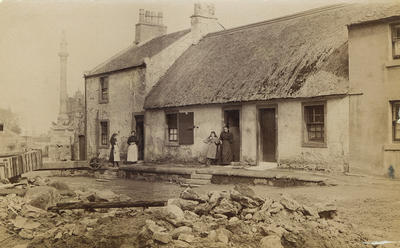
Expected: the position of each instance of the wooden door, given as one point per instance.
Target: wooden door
(140, 135)
(232, 120)
(267, 135)
(82, 147)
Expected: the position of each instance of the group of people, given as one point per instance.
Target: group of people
(219, 149)
(132, 141)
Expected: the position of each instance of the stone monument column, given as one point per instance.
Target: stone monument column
(63, 54)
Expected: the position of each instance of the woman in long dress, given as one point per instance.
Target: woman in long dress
(212, 142)
(226, 139)
(132, 148)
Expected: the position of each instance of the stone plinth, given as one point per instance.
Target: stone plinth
(60, 143)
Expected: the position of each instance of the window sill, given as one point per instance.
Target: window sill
(314, 145)
(392, 147)
(171, 144)
(393, 63)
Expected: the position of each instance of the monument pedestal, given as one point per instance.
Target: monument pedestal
(61, 143)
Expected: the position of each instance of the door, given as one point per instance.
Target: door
(82, 152)
(139, 119)
(232, 120)
(267, 135)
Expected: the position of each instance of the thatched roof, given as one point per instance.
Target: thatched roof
(302, 55)
(135, 55)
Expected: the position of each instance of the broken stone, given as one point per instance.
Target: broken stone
(153, 227)
(309, 211)
(227, 208)
(275, 208)
(21, 246)
(262, 215)
(191, 216)
(328, 211)
(42, 196)
(271, 241)
(245, 190)
(162, 237)
(190, 194)
(31, 211)
(189, 238)
(184, 204)
(177, 231)
(223, 235)
(25, 234)
(102, 196)
(234, 219)
(59, 185)
(21, 222)
(180, 244)
(248, 216)
(203, 209)
(174, 212)
(89, 222)
(289, 204)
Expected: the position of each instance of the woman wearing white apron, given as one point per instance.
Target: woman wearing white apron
(132, 148)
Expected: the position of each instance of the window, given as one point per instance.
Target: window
(104, 133)
(172, 122)
(314, 120)
(396, 41)
(1, 127)
(103, 89)
(181, 128)
(396, 120)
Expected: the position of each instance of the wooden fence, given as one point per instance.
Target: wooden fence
(15, 165)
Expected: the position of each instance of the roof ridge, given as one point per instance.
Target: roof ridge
(279, 19)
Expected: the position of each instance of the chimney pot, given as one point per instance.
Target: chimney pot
(141, 15)
(147, 16)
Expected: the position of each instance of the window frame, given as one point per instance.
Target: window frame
(168, 141)
(305, 134)
(393, 105)
(394, 28)
(101, 82)
(101, 145)
(1, 127)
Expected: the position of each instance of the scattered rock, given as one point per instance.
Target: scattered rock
(186, 237)
(174, 212)
(190, 194)
(272, 241)
(25, 234)
(42, 196)
(228, 208)
(248, 216)
(327, 212)
(162, 237)
(289, 204)
(183, 204)
(59, 185)
(21, 222)
(177, 231)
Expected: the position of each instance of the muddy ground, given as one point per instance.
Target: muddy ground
(370, 206)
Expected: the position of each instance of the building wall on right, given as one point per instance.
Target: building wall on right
(374, 88)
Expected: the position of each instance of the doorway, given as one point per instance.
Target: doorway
(267, 135)
(82, 147)
(232, 121)
(139, 120)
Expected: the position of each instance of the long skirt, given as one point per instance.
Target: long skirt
(132, 153)
(111, 157)
(226, 152)
(116, 154)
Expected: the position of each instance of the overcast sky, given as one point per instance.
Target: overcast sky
(30, 33)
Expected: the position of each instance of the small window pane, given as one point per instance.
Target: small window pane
(104, 132)
(314, 117)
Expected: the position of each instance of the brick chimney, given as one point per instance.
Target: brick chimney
(203, 21)
(150, 26)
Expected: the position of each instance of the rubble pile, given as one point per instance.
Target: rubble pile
(239, 218)
(234, 218)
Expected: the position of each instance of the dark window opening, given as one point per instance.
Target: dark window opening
(1, 127)
(396, 41)
(104, 89)
(104, 133)
(172, 122)
(181, 128)
(396, 120)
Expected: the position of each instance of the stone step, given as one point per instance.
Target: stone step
(200, 176)
(198, 181)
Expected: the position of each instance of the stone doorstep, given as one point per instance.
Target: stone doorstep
(201, 176)
(197, 181)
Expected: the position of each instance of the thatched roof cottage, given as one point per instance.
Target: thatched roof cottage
(115, 90)
(285, 87)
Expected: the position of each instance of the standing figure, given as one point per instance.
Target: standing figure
(226, 139)
(132, 148)
(114, 152)
(212, 142)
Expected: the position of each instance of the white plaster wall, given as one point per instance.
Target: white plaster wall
(125, 97)
(249, 127)
(290, 135)
(206, 119)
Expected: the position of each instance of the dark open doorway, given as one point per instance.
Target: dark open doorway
(82, 147)
(139, 119)
(232, 120)
(267, 135)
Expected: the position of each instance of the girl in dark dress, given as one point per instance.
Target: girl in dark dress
(226, 149)
(113, 142)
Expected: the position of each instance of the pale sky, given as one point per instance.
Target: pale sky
(96, 30)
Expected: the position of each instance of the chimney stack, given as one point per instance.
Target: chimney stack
(150, 26)
(203, 21)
